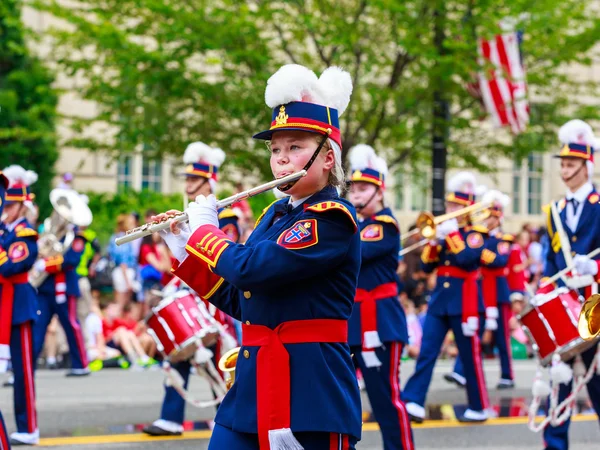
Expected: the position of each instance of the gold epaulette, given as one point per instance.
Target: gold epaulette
(264, 212)
(26, 232)
(333, 206)
(508, 237)
(227, 213)
(594, 198)
(387, 219)
(480, 229)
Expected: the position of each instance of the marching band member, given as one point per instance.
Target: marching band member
(4, 441)
(579, 215)
(292, 284)
(18, 305)
(377, 328)
(203, 163)
(494, 286)
(454, 305)
(58, 295)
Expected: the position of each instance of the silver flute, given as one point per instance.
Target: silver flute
(153, 227)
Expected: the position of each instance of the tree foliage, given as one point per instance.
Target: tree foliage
(167, 72)
(27, 105)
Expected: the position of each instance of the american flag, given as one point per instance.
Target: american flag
(502, 81)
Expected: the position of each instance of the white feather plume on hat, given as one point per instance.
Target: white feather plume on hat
(496, 198)
(363, 156)
(576, 131)
(17, 175)
(463, 182)
(199, 152)
(296, 83)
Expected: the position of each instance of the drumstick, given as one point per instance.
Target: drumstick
(568, 269)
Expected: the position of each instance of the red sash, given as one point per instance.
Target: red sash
(6, 308)
(273, 391)
(469, 290)
(368, 309)
(489, 285)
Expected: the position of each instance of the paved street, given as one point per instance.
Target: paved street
(107, 409)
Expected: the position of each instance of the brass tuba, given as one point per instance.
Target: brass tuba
(69, 210)
(589, 318)
(227, 365)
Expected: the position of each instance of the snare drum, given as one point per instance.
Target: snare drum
(179, 325)
(550, 321)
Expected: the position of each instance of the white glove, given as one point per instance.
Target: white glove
(579, 281)
(203, 212)
(467, 330)
(177, 242)
(491, 324)
(491, 312)
(584, 265)
(40, 265)
(445, 228)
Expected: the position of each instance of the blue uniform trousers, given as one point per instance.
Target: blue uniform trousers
(383, 389)
(501, 341)
(67, 315)
(23, 363)
(557, 438)
(224, 438)
(434, 333)
(4, 441)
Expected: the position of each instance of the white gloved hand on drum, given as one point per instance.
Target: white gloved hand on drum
(585, 265)
(203, 211)
(445, 228)
(579, 281)
(177, 242)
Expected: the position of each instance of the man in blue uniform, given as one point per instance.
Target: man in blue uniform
(292, 284)
(378, 332)
(58, 295)
(18, 305)
(495, 291)
(201, 175)
(454, 305)
(579, 214)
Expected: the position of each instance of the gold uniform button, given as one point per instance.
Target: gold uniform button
(447, 263)
(247, 322)
(446, 284)
(209, 253)
(573, 253)
(574, 239)
(247, 294)
(246, 354)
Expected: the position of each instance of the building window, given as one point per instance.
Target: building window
(125, 173)
(418, 186)
(516, 188)
(151, 175)
(535, 173)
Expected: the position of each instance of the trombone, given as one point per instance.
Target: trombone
(153, 227)
(427, 223)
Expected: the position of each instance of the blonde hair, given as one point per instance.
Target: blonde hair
(336, 176)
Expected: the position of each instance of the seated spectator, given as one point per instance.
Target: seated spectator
(96, 345)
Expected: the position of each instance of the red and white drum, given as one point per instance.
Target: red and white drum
(550, 321)
(179, 324)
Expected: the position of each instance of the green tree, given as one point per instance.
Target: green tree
(166, 72)
(27, 106)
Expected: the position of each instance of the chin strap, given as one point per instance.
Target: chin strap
(566, 180)
(362, 206)
(287, 187)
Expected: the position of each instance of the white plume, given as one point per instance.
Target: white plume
(335, 85)
(576, 132)
(463, 182)
(18, 175)
(200, 152)
(495, 197)
(294, 83)
(363, 156)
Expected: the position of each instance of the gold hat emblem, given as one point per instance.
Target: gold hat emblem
(282, 117)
